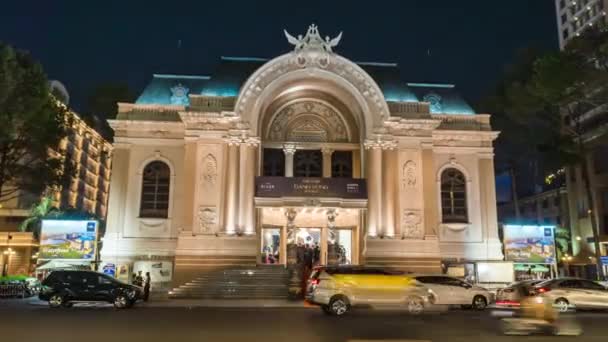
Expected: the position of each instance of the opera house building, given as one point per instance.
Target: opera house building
(309, 149)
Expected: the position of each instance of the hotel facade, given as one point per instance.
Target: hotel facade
(308, 148)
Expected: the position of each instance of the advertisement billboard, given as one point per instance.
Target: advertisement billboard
(529, 244)
(68, 239)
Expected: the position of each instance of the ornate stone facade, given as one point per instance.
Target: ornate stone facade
(370, 188)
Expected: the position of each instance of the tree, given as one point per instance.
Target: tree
(102, 105)
(562, 88)
(519, 147)
(40, 211)
(32, 123)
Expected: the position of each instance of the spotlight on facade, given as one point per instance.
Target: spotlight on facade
(578, 238)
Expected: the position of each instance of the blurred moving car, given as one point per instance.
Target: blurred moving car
(513, 294)
(566, 293)
(63, 288)
(453, 291)
(337, 289)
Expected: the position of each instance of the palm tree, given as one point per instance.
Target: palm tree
(40, 211)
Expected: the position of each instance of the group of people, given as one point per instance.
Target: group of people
(139, 280)
(308, 255)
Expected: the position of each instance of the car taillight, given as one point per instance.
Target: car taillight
(543, 290)
(315, 282)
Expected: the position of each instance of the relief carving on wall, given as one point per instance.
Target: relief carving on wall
(409, 174)
(410, 225)
(209, 176)
(207, 219)
(308, 121)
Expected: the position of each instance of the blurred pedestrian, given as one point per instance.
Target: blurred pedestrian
(139, 280)
(147, 287)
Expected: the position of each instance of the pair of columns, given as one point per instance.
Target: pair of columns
(381, 186)
(290, 151)
(240, 186)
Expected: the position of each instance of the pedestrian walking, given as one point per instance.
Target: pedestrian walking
(147, 287)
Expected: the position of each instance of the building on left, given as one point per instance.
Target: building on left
(88, 155)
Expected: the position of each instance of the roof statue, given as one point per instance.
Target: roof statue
(312, 40)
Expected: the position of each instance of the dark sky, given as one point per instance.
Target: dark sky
(466, 42)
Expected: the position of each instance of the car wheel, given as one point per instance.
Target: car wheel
(326, 309)
(339, 306)
(479, 302)
(414, 305)
(56, 301)
(121, 301)
(562, 304)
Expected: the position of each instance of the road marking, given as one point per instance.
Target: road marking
(389, 340)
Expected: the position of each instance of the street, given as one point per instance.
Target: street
(36, 323)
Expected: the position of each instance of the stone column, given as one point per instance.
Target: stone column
(247, 165)
(374, 189)
(327, 152)
(389, 184)
(289, 151)
(488, 189)
(356, 163)
(232, 186)
(432, 216)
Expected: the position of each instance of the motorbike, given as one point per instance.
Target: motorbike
(535, 316)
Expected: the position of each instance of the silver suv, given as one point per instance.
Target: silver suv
(337, 289)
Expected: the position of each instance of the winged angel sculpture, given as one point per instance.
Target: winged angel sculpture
(312, 40)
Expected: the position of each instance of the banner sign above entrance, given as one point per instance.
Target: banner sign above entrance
(310, 187)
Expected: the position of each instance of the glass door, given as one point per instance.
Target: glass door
(340, 243)
(271, 246)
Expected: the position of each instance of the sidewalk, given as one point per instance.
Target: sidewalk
(227, 303)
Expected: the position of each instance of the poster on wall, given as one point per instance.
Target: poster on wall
(160, 271)
(529, 244)
(68, 239)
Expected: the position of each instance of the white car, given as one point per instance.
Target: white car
(453, 291)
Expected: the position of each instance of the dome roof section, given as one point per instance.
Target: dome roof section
(231, 73)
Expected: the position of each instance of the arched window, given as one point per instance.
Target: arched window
(155, 190)
(453, 196)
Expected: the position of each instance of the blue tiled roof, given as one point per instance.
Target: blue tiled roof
(444, 98)
(158, 91)
(232, 72)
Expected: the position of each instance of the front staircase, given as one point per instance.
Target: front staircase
(255, 282)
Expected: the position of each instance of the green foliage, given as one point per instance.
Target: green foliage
(32, 122)
(40, 211)
(562, 241)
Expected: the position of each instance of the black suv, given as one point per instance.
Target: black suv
(62, 288)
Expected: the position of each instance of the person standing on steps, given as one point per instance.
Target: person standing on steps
(147, 287)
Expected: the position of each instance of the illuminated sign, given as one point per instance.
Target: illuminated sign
(529, 244)
(68, 239)
(310, 187)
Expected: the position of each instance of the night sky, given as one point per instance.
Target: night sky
(463, 42)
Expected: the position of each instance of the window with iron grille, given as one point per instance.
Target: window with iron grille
(453, 196)
(342, 164)
(156, 180)
(274, 162)
(308, 163)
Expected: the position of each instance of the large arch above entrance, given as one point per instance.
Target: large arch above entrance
(335, 74)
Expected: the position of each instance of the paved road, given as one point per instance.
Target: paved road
(150, 324)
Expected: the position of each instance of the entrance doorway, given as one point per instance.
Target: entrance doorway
(325, 236)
